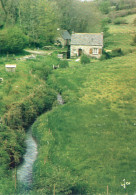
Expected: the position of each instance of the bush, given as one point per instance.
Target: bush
(116, 52)
(12, 40)
(85, 59)
(107, 20)
(120, 21)
(23, 114)
(104, 7)
(105, 55)
(64, 64)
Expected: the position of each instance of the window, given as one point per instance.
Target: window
(95, 50)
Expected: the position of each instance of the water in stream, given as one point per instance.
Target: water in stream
(24, 171)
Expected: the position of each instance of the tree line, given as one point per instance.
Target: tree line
(37, 21)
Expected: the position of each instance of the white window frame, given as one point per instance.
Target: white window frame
(95, 51)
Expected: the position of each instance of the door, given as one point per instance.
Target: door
(79, 52)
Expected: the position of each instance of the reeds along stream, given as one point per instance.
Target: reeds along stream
(24, 171)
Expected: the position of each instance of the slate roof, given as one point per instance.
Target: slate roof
(88, 39)
(65, 34)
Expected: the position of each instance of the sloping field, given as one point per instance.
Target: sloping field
(89, 143)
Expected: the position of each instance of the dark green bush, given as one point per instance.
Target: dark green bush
(12, 40)
(120, 21)
(23, 114)
(116, 52)
(85, 59)
(105, 55)
(107, 20)
(63, 64)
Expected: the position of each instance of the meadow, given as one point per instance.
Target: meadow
(88, 144)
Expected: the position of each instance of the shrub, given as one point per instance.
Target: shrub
(120, 21)
(85, 59)
(105, 55)
(64, 64)
(12, 40)
(23, 114)
(107, 20)
(104, 7)
(116, 52)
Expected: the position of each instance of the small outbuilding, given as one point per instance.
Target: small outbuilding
(64, 38)
(90, 44)
(10, 67)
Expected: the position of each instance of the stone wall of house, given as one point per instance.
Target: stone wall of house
(76, 50)
(62, 41)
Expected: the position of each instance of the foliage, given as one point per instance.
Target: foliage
(104, 6)
(116, 52)
(120, 21)
(23, 114)
(77, 16)
(63, 64)
(85, 59)
(36, 19)
(122, 13)
(12, 40)
(107, 20)
(105, 28)
(105, 55)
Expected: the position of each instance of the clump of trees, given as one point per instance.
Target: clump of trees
(78, 16)
(35, 19)
(12, 40)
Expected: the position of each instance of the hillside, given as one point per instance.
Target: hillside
(87, 144)
(92, 136)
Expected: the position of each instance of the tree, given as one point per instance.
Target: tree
(78, 16)
(104, 6)
(12, 40)
(38, 21)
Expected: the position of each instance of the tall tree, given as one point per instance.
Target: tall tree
(38, 21)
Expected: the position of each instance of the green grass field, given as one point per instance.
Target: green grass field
(88, 143)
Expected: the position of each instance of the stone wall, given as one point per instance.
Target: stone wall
(76, 50)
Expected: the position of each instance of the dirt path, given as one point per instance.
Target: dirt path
(39, 52)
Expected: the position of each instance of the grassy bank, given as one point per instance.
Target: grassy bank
(88, 143)
(24, 96)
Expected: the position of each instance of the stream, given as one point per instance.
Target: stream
(24, 171)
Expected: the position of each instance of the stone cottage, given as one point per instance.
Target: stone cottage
(64, 38)
(90, 44)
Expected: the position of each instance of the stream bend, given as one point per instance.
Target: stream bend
(24, 171)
